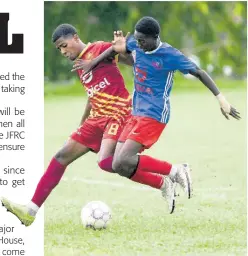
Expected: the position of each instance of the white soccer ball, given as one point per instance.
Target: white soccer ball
(96, 215)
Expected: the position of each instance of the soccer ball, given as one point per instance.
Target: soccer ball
(96, 215)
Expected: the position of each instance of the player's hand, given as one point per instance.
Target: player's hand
(232, 112)
(226, 109)
(119, 42)
(86, 65)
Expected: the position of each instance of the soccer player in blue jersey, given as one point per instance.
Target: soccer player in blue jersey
(154, 65)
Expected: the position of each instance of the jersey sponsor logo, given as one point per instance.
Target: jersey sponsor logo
(96, 88)
(87, 77)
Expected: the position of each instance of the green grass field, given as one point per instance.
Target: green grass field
(213, 222)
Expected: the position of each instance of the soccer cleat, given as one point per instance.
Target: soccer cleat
(183, 178)
(168, 192)
(20, 211)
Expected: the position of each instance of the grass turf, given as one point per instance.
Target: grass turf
(213, 222)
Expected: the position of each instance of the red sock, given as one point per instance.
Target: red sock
(148, 178)
(106, 164)
(149, 164)
(48, 182)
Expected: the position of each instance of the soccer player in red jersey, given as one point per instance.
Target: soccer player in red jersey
(107, 109)
(154, 66)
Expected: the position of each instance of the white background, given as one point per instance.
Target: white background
(25, 17)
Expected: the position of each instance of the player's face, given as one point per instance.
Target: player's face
(69, 47)
(146, 43)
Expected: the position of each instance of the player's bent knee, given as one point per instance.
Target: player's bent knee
(62, 157)
(120, 165)
(58, 156)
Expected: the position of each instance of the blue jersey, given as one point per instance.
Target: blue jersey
(153, 78)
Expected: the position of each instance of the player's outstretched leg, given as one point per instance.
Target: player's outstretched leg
(126, 163)
(26, 213)
(151, 179)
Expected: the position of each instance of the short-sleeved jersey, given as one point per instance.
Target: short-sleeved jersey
(153, 78)
(105, 85)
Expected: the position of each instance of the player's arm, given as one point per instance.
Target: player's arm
(109, 54)
(225, 107)
(118, 46)
(205, 79)
(126, 59)
(178, 61)
(88, 65)
(86, 112)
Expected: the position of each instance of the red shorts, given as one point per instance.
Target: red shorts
(94, 130)
(144, 130)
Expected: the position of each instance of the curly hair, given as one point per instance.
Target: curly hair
(63, 30)
(148, 26)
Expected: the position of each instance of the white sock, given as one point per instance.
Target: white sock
(173, 171)
(32, 208)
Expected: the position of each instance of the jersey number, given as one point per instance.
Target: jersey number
(113, 129)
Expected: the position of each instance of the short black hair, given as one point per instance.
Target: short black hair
(63, 30)
(148, 26)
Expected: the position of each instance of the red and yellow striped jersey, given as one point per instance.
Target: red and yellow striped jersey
(105, 85)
